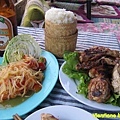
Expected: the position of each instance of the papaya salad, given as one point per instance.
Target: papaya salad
(96, 72)
(22, 68)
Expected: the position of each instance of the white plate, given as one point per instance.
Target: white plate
(63, 112)
(71, 88)
(51, 77)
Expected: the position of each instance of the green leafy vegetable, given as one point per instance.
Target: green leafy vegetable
(19, 46)
(114, 100)
(69, 68)
(71, 59)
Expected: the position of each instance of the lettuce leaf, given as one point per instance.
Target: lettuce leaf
(114, 100)
(69, 68)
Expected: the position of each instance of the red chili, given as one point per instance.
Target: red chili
(42, 66)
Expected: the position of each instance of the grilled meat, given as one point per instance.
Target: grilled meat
(105, 60)
(101, 70)
(99, 62)
(99, 89)
(96, 56)
(116, 79)
(96, 52)
(97, 71)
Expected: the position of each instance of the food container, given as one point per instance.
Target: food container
(60, 30)
(58, 45)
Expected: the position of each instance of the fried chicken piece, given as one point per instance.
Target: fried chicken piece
(47, 116)
(99, 89)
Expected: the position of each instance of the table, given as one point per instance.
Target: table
(58, 95)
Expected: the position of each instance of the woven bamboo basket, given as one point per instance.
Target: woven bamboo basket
(58, 45)
(60, 30)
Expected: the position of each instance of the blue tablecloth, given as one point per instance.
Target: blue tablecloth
(59, 96)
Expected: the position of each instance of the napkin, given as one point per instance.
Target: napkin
(34, 13)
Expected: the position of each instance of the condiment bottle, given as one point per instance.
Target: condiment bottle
(8, 23)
